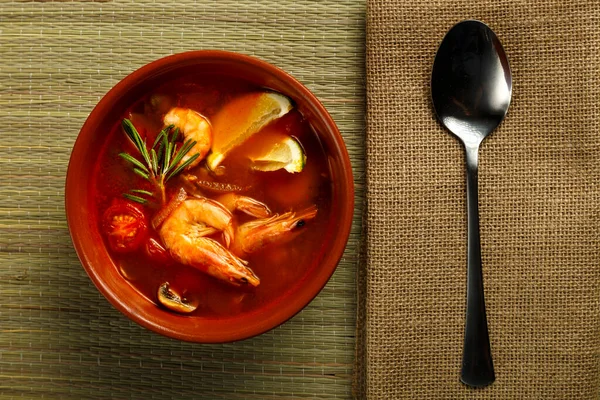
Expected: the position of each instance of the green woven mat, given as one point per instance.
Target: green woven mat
(59, 338)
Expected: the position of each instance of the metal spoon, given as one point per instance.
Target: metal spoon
(471, 88)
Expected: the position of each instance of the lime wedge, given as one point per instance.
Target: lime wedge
(287, 154)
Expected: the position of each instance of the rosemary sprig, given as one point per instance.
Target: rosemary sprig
(159, 163)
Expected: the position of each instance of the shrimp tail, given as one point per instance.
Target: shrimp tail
(252, 207)
(245, 204)
(228, 234)
(259, 233)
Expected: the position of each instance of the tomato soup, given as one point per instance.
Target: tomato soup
(132, 229)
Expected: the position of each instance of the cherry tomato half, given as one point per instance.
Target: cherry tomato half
(125, 225)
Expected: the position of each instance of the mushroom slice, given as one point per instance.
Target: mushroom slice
(173, 301)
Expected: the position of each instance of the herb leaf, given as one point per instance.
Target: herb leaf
(135, 198)
(134, 161)
(161, 135)
(182, 166)
(154, 159)
(187, 146)
(141, 173)
(136, 139)
(141, 191)
(160, 162)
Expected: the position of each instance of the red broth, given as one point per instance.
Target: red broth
(278, 266)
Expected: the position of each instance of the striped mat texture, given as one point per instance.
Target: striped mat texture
(59, 338)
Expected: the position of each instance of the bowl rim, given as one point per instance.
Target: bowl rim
(289, 307)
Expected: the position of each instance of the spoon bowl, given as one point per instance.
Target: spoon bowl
(471, 82)
(471, 87)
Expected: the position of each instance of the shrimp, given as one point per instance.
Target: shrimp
(194, 127)
(248, 205)
(256, 234)
(199, 216)
(184, 235)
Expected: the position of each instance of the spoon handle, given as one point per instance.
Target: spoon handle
(477, 366)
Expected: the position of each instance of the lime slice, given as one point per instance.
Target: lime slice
(241, 118)
(287, 154)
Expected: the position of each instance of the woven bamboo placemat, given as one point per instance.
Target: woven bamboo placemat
(59, 338)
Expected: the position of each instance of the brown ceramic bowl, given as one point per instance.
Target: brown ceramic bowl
(91, 248)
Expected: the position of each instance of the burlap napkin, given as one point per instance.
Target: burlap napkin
(539, 186)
